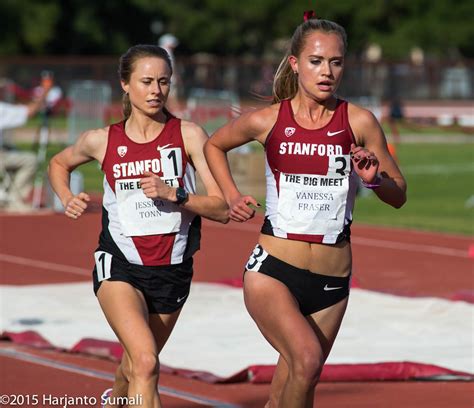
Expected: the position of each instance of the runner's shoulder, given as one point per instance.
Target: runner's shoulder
(94, 139)
(257, 122)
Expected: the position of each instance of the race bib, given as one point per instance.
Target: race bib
(140, 215)
(103, 264)
(313, 204)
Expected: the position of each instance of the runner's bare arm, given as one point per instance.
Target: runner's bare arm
(212, 206)
(250, 126)
(89, 146)
(372, 148)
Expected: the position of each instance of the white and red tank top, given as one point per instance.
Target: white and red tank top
(138, 229)
(311, 187)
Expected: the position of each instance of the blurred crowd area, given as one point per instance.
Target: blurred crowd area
(378, 83)
(427, 80)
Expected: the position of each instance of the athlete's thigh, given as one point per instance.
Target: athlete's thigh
(277, 315)
(161, 326)
(126, 311)
(326, 324)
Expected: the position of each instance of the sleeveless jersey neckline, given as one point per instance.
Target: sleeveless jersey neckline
(169, 119)
(288, 106)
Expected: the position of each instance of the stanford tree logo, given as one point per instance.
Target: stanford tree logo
(122, 150)
(289, 131)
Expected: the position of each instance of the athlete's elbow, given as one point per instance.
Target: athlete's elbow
(396, 196)
(220, 214)
(402, 195)
(400, 202)
(207, 149)
(54, 165)
(224, 217)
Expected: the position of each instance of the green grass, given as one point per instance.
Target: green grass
(55, 122)
(91, 172)
(440, 183)
(407, 129)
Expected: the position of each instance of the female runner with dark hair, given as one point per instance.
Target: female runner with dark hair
(151, 217)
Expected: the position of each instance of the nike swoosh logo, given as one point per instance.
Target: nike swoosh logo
(327, 288)
(163, 147)
(335, 133)
(180, 299)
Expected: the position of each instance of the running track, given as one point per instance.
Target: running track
(48, 248)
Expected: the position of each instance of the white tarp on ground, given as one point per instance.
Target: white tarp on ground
(215, 334)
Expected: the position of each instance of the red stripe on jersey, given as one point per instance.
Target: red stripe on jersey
(155, 249)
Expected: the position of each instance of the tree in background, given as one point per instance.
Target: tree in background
(248, 27)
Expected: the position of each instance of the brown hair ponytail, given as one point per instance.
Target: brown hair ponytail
(285, 83)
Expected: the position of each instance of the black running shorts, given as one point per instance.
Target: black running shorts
(165, 287)
(312, 291)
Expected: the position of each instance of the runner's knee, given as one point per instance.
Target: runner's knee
(144, 365)
(306, 367)
(124, 370)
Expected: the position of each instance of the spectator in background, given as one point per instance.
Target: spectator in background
(19, 166)
(169, 42)
(394, 118)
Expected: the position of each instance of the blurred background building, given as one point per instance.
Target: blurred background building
(420, 52)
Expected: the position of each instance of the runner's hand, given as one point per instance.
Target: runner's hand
(240, 210)
(76, 205)
(365, 163)
(153, 187)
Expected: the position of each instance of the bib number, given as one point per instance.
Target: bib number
(257, 256)
(312, 204)
(171, 163)
(103, 264)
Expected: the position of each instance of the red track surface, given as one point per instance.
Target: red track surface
(50, 248)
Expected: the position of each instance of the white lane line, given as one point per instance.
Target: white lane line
(102, 375)
(439, 168)
(403, 246)
(378, 243)
(431, 249)
(51, 266)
